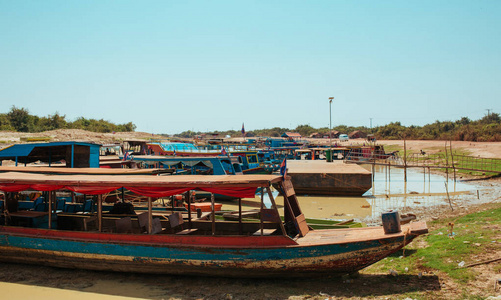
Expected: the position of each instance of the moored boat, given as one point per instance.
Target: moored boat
(182, 243)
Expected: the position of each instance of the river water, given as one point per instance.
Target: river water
(389, 192)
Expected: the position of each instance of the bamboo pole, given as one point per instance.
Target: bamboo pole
(452, 161)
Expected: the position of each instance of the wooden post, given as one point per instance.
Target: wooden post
(189, 210)
(213, 214)
(100, 213)
(275, 207)
(452, 161)
(150, 215)
(240, 225)
(261, 225)
(446, 164)
(373, 177)
(50, 208)
(389, 177)
(405, 161)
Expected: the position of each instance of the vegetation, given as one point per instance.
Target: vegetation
(19, 119)
(486, 129)
(450, 249)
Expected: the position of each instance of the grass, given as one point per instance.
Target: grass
(473, 236)
(464, 162)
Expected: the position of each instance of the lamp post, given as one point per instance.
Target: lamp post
(330, 121)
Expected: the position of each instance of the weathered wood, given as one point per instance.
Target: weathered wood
(179, 181)
(51, 196)
(272, 199)
(150, 215)
(213, 216)
(482, 262)
(100, 212)
(261, 212)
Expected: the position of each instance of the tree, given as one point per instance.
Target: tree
(20, 119)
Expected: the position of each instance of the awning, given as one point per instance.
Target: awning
(241, 186)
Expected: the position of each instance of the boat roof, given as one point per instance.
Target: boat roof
(25, 150)
(82, 171)
(139, 181)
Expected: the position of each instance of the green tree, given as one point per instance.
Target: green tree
(20, 119)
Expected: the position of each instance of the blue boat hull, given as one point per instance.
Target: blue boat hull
(226, 260)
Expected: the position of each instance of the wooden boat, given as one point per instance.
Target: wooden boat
(184, 243)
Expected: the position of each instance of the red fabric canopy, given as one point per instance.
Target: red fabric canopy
(155, 192)
(90, 190)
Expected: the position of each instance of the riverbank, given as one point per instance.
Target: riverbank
(375, 282)
(420, 281)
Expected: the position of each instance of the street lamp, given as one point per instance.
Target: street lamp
(330, 121)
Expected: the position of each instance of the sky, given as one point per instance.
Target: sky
(170, 66)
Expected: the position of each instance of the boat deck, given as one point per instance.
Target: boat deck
(350, 235)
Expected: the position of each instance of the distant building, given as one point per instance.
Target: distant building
(291, 136)
(357, 134)
(335, 134)
(316, 135)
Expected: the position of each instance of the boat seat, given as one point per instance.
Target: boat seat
(60, 205)
(124, 225)
(156, 224)
(187, 231)
(176, 219)
(266, 232)
(87, 221)
(39, 204)
(143, 221)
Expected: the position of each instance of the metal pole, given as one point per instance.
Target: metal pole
(330, 121)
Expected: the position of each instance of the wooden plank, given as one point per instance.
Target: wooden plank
(100, 212)
(187, 231)
(181, 181)
(289, 189)
(302, 225)
(270, 195)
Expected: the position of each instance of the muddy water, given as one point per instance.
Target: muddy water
(390, 191)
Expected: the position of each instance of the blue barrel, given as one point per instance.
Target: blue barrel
(391, 222)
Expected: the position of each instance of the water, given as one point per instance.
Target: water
(389, 191)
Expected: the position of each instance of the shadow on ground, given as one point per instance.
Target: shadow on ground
(193, 287)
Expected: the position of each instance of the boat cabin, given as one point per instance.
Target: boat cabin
(68, 154)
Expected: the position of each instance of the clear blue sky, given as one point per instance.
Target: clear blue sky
(171, 66)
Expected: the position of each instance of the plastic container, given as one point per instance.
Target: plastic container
(391, 222)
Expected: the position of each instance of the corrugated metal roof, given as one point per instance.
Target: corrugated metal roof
(21, 150)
